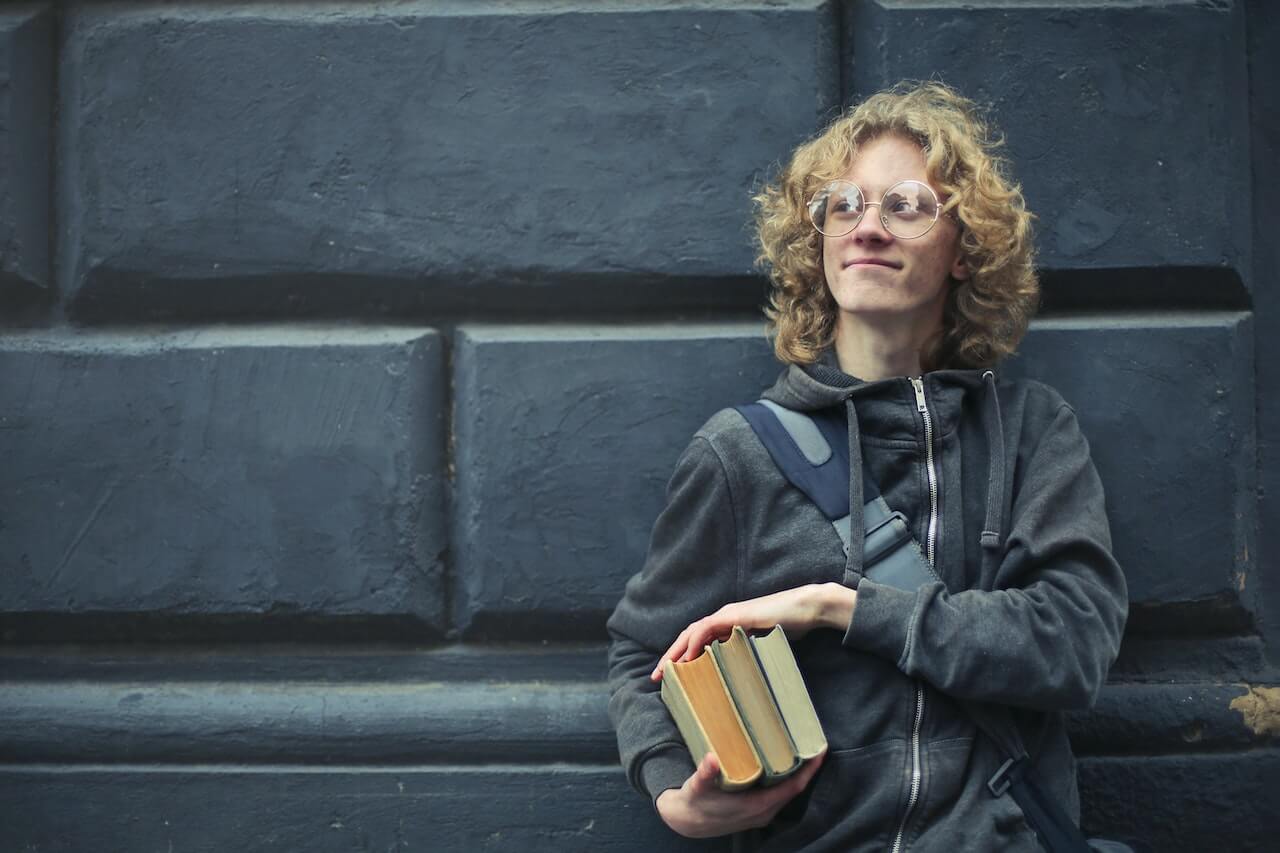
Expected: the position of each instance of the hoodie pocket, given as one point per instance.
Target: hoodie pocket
(851, 804)
(956, 811)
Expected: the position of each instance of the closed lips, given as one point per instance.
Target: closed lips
(876, 261)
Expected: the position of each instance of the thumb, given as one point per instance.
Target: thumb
(811, 766)
(708, 772)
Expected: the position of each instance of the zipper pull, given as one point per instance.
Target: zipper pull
(919, 386)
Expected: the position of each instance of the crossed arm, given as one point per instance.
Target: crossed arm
(690, 572)
(1041, 637)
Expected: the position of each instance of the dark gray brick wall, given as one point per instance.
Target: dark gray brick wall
(566, 437)
(1264, 146)
(425, 149)
(1106, 108)
(349, 722)
(1167, 403)
(281, 585)
(438, 744)
(256, 472)
(554, 808)
(1184, 802)
(26, 108)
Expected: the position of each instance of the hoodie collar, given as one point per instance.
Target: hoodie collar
(887, 409)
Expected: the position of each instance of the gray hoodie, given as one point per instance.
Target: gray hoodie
(1027, 614)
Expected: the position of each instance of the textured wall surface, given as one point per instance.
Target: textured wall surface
(224, 472)
(1111, 103)
(323, 157)
(346, 348)
(26, 127)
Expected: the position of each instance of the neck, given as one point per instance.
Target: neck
(880, 349)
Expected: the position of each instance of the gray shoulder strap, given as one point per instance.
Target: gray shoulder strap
(803, 431)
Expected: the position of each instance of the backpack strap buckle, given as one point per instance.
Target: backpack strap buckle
(1003, 778)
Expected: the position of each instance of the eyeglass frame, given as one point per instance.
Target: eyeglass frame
(937, 210)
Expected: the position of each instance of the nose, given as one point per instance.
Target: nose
(869, 228)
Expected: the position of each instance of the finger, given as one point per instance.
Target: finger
(797, 783)
(673, 654)
(763, 803)
(779, 795)
(706, 777)
(678, 646)
(810, 768)
(692, 649)
(704, 631)
(701, 633)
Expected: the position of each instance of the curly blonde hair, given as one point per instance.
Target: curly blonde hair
(986, 314)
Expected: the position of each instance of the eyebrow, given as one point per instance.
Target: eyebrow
(872, 195)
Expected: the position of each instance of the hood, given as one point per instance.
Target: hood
(887, 408)
(823, 384)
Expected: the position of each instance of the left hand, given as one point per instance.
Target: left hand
(798, 610)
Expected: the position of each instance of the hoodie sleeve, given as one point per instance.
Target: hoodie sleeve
(691, 570)
(1046, 634)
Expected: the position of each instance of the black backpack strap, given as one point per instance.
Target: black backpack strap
(1054, 828)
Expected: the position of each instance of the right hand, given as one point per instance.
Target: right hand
(699, 809)
(798, 610)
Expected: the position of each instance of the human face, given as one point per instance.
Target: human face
(882, 278)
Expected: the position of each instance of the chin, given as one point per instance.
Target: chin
(868, 299)
(873, 303)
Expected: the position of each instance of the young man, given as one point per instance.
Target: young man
(901, 261)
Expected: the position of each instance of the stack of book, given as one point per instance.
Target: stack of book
(745, 700)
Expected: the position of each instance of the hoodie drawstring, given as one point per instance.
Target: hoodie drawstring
(992, 537)
(992, 540)
(853, 563)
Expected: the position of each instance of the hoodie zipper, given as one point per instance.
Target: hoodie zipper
(917, 775)
(931, 540)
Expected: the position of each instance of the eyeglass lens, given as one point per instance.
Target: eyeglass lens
(907, 210)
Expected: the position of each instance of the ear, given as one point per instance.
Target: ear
(960, 267)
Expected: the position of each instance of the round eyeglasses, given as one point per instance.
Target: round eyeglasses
(908, 209)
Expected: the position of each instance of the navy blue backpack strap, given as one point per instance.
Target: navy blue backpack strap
(804, 454)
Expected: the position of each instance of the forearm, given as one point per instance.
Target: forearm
(835, 606)
(1039, 647)
(691, 568)
(1042, 629)
(798, 610)
(649, 744)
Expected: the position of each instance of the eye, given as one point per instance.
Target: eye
(846, 202)
(901, 207)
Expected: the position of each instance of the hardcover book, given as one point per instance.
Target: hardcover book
(745, 700)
